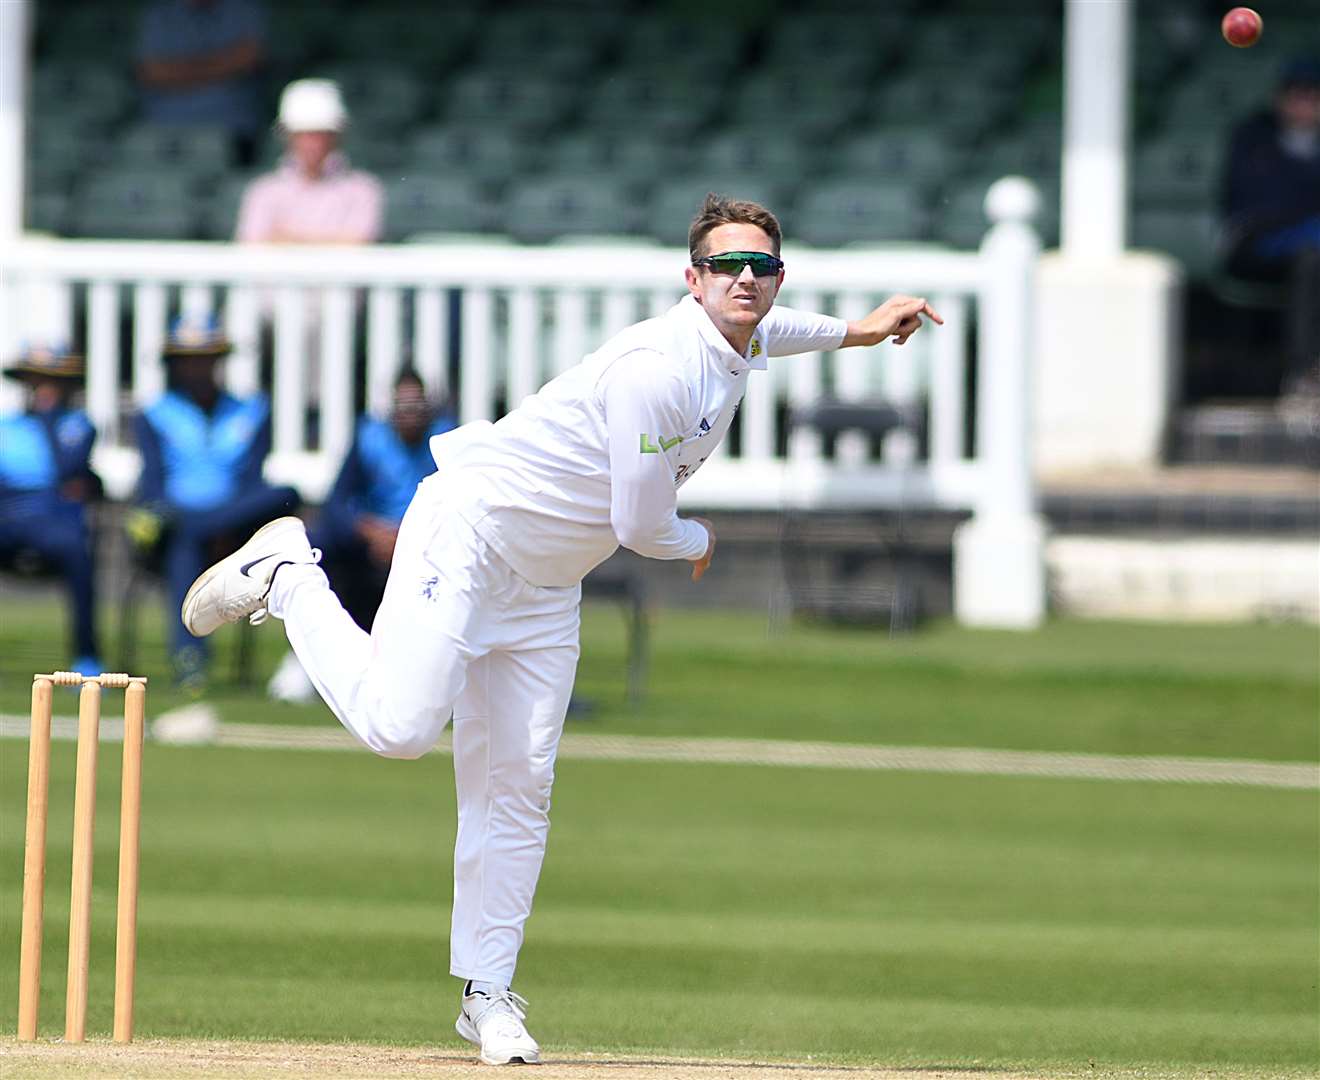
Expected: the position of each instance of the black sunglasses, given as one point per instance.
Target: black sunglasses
(732, 262)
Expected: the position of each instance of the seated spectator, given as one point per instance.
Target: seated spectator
(199, 62)
(359, 522)
(314, 197)
(1271, 206)
(201, 492)
(46, 484)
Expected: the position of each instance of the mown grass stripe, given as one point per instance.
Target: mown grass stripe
(765, 752)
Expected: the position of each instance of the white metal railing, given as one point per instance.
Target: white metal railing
(525, 314)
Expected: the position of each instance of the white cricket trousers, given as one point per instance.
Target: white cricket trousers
(457, 631)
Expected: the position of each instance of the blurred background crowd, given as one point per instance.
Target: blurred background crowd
(858, 122)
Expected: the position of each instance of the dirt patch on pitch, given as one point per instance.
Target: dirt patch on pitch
(169, 1059)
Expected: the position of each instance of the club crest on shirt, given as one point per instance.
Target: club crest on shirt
(756, 347)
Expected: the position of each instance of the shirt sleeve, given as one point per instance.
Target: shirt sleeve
(787, 331)
(256, 213)
(644, 409)
(363, 221)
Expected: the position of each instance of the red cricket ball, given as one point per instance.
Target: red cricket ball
(1241, 27)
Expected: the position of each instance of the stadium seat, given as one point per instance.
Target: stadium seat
(917, 155)
(1182, 171)
(547, 42)
(634, 159)
(966, 36)
(80, 93)
(508, 99)
(60, 150)
(104, 33)
(434, 204)
(219, 213)
(487, 155)
(711, 44)
(654, 101)
(1037, 154)
(813, 103)
(298, 35)
(963, 110)
(798, 40)
(769, 153)
(46, 210)
(379, 97)
(843, 212)
(394, 33)
(137, 205)
(675, 201)
(959, 218)
(551, 207)
(202, 152)
(1189, 236)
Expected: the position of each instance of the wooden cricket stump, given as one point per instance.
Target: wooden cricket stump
(84, 819)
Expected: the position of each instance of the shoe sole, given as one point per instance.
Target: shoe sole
(210, 574)
(468, 1030)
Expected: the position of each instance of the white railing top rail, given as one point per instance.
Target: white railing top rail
(584, 265)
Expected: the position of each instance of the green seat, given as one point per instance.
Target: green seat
(203, 152)
(963, 110)
(917, 155)
(631, 158)
(652, 101)
(443, 204)
(813, 103)
(379, 97)
(102, 33)
(1189, 236)
(1037, 154)
(46, 210)
(546, 42)
(959, 219)
(552, 207)
(843, 212)
(713, 44)
(798, 41)
(426, 41)
(509, 99)
(675, 202)
(60, 150)
(136, 205)
(780, 154)
(219, 213)
(484, 154)
(1180, 171)
(80, 94)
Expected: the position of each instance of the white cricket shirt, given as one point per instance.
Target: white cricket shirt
(595, 458)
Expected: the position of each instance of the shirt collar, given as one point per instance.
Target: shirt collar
(733, 361)
(336, 165)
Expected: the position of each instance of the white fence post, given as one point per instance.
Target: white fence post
(999, 556)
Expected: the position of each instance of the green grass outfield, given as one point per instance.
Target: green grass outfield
(893, 918)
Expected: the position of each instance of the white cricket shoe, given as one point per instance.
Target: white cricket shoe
(239, 584)
(494, 1022)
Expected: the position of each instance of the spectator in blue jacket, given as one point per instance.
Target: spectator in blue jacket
(46, 483)
(1271, 206)
(201, 485)
(359, 522)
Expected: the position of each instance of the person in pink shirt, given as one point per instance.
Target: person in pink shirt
(314, 197)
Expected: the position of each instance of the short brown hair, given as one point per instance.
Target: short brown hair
(721, 210)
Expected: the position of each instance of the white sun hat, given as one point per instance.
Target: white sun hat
(312, 105)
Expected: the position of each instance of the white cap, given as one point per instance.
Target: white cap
(312, 105)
